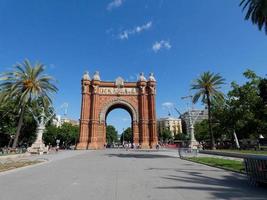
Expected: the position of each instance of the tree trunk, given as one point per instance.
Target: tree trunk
(212, 141)
(16, 139)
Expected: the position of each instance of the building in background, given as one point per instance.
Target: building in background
(58, 121)
(169, 123)
(197, 115)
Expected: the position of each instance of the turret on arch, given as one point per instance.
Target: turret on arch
(100, 97)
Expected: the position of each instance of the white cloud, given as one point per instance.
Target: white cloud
(167, 105)
(161, 44)
(138, 29)
(114, 4)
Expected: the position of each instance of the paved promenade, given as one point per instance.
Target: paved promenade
(124, 175)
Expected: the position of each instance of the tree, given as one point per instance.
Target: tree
(207, 86)
(8, 121)
(51, 134)
(165, 135)
(26, 83)
(242, 111)
(111, 134)
(263, 90)
(181, 136)
(245, 107)
(127, 135)
(8, 118)
(67, 134)
(201, 131)
(256, 12)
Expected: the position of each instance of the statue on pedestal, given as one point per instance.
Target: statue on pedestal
(38, 146)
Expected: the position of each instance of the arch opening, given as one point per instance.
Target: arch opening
(118, 103)
(118, 125)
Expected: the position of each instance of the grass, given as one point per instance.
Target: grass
(8, 165)
(233, 165)
(258, 152)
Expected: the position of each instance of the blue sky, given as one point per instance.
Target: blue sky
(177, 40)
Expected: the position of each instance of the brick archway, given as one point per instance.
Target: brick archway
(100, 97)
(120, 103)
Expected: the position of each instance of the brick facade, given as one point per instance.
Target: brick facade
(100, 97)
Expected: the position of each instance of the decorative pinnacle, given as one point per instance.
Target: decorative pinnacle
(151, 77)
(86, 76)
(96, 76)
(142, 77)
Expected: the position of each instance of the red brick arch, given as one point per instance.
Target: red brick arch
(100, 97)
(118, 103)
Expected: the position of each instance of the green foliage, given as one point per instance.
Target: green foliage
(165, 135)
(67, 134)
(8, 120)
(111, 134)
(234, 165)
(181, 136)
(127, 135)
(28, 130)
(207, 88)
(245, 108)
(249, 152)
(25, 84)
(263, 90)
(256, 12)
(202, 131)
(51, 134)
(242, 111)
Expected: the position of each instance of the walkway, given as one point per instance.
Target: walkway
(124, 175)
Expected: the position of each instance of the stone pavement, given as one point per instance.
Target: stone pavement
(124, 175)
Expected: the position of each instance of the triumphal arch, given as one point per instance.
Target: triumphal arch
(101, 97)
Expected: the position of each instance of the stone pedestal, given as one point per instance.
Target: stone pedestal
(38, 147)
(193, 144)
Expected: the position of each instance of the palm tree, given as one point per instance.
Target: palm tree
(207, 86)
(256, 11)
(26, 84)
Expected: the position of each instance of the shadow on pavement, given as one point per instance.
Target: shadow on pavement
(183, 170)
(233, 186)
(139, 155)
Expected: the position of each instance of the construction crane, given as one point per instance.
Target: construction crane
(180, 114)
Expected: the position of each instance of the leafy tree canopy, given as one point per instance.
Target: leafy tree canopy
(127, 135)
(67, 134)
(25, 84)
(111, 134)
(165, 135)
(256, 11)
